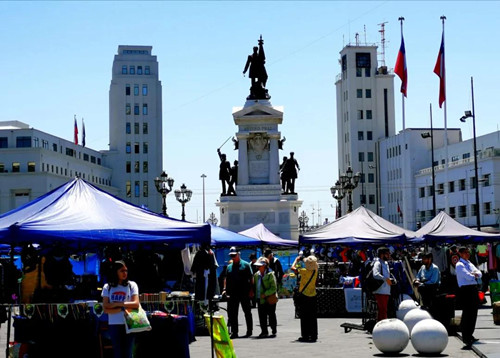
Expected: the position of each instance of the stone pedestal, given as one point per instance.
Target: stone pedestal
(259, 198)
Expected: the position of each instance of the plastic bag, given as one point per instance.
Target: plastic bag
(136, 320)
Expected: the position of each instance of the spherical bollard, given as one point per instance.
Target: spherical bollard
(429, 337)
(390, 336)
(405, 307)
(415, 316)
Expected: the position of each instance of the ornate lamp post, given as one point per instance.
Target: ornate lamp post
(338, 194)
(349, 182)
(303, 220)
(212, 219)
(469, 114)
(183, 196)
(164, 185)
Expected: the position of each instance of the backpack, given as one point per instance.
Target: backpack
(370, 283)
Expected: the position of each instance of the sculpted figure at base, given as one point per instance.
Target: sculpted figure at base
(258, 74)
(290, 168)
(234, 179)
(224, 171)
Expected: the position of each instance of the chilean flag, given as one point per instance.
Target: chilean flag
(400, 68)
(440, 71)
(76, 132)
(400, 212)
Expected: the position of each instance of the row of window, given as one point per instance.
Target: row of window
(394, 174)
(371, 199)
(456, 212)
(393, 151)
(361, 135)
(395, 197)
(128, 109)
(130, 70)
(137, 166)
(368, 114)
(371, 177)
(361, 156)
(137, 189)
(137, 126)
(359, 93)
(461, 183)
(137, 147)
(136, 90)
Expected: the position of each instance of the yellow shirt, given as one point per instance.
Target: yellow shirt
(305, 275)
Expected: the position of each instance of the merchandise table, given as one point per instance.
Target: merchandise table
(332, 302)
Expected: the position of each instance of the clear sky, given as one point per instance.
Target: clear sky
(56, 60)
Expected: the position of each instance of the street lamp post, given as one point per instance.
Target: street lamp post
(183, 196)
(469, 114)
(431, 136)
(203, 176)
(164, 185)
(212, 219)
(338, 194)
(303, 220)
(349, 182)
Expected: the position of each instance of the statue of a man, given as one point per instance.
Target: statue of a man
(224, 171)
(290, 170)
(257, 73)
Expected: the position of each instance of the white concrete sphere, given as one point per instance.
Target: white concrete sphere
(415, 316)
(406, 297)
(390, 336)
(429, 337)
(405, 307)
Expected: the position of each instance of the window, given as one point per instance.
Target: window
(144, 128)
(451, 186)
(369, 114)
(16, 167)
(145, 109)
(128, 167)
(136, 167)
(127, 108)
(23, 142)
(144, 90)
(359, 72)
(128, 129)
(363, 60)
(136, 90)
(454, 158)
(473, 211)
(136, 109)
(69, 152)
(371, 199)
(137, 192)
(440, 190)
(85, 157)
(128, 148)
(430, 190)
(370, 156)
(362, 199)
(359, 93)
(45, 144)
(473, 182)
(371, 178)
(2, 168)
(452, 212)
(145, 147)
(128, 189)
(147, 71)
(367, 72)
(360, 114)
(465, 155)
(361, 156)
(98, 161)
(421, 193)
(144, 167)
(4, 143)
(461, 184)
(92, 159)
(124, 69)
(136, 147)
(487, 208)
(136, 128)
(369, 135)
(31, 167)
(145, 189)
(362, 177)
(486, 180)
(368, 93)
(139, 70)
(127, 90)
(462, 211)
(360, 135)
(132, 70)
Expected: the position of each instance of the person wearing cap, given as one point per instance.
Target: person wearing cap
(427, 281)
(308, 302)
(275, 265)
(467, 276)
(238, 289)
(381, 272)
(265, 287)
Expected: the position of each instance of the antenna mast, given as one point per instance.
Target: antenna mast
(382, 35)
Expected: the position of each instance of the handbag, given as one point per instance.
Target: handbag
(271, 299)
(136, 320)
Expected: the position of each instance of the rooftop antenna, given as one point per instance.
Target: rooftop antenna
(382, 35)
(364, 29)
(357, 39)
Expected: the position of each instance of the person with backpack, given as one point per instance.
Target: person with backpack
(381, 272)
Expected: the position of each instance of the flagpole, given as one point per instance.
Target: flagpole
(446, 186)
(403, 95)
(401, 19)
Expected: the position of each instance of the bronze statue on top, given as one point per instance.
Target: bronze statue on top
(257, 73)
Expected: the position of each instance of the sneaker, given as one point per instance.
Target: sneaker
(264, 335)
(302, 339)
(249, 334)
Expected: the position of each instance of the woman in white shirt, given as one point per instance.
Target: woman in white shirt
(117, 295)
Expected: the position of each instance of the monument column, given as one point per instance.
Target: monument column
(274, 161)
(242, 161)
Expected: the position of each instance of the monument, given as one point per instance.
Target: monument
(263, 190)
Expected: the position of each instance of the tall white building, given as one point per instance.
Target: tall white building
(365, 114)
(135, 126)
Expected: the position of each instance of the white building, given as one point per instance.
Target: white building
(135, 126)
(33, 163)
(365, 114)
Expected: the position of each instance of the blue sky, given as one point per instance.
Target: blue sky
(57, 57)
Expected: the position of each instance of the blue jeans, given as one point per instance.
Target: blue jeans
(121, 341)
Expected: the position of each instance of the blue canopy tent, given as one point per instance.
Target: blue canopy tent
(79, 214)
(266, 237)
(443, 228)
(361, 226)
(223, 237)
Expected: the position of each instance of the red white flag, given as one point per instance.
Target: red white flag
(400, 68)
(399, 211)
(439, 70)
(76, 132)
